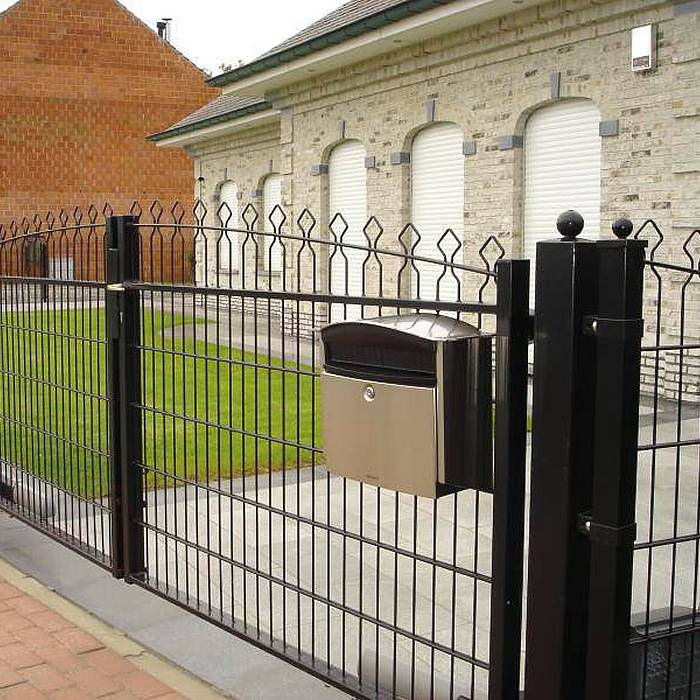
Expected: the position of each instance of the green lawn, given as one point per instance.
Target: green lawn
(197, 398)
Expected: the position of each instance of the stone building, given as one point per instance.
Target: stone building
(487, 118)
(82, 83)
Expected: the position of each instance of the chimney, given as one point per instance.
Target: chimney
(164, 28)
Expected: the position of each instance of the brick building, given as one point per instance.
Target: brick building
(486, 118)
(82, 83)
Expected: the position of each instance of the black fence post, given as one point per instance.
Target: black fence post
(123, 327)
(562, 455)
(617, 328)
(512, 336)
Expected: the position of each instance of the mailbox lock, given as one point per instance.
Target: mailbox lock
(370, 394)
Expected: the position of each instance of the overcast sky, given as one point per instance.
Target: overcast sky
(212, 32)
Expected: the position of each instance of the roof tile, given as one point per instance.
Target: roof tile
(350, 12)
(218, 110)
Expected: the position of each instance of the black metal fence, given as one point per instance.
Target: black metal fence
(54, 437)
(56, 460)
(665, 651)
(615, 500)
(197, 448)
(161, 414)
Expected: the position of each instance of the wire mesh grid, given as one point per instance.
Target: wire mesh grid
(382, 593)
(54, 455)
(666, 583)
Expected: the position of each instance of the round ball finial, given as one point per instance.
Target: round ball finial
(622, 227)
(569, 223)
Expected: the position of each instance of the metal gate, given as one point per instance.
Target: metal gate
(55, 466)
(197, 464)
(161, 415)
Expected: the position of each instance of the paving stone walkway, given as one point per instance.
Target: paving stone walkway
(45, 655)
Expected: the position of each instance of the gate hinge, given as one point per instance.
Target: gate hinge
(623, 536)
(115, 313)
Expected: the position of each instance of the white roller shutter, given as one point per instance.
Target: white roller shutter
(348, 196)
(272, 247)
(437, 204)
(229, 254)
(562, 170)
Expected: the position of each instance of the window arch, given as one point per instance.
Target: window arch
(347, 188)
(272, 247)
(437, 203)
(229, 253)
(562, 169)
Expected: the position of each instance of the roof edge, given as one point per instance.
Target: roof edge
(333, 38)
(261, 106)
(9, 8)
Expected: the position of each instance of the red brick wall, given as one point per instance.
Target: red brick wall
(82, 83)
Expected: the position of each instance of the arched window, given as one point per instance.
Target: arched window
(562, 169)
(229, 254)
(272, 248)
(437, 204)
(347, 178)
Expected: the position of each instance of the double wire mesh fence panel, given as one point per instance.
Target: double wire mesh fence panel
(54, 455)
(379, 592)
(665, 638)
(56, 470)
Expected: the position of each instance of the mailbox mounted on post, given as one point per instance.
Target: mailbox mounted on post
(407, 403)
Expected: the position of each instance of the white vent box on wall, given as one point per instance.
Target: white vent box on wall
(644, 48)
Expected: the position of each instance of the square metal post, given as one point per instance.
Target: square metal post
(617, 329)
(512, 336)
(124, 370)
(562, 454)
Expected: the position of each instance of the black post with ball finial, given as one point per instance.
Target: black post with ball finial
(562, 454)
(588, 330)
(618, 329)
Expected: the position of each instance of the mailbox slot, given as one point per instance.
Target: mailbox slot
(372, 351)
(407, 403)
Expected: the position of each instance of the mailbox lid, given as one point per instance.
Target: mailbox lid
(398, 349)
(423, 326)
(388, 441)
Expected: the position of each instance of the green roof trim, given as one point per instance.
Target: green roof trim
(211, 121)
(332, 38)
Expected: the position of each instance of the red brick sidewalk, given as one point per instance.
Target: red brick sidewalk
(43, 655)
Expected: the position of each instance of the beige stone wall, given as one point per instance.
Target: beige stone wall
(488, 79)
(246, 158)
